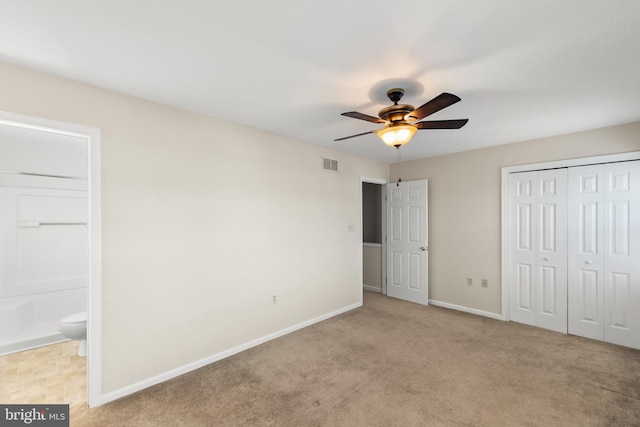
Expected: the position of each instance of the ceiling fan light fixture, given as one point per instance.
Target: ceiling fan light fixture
(401, 121)
(397, 135)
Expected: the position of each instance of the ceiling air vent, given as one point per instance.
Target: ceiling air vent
(329, 165)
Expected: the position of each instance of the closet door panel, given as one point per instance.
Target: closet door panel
(622, 253)
(537, 270)
(585, 251)
(551, 255)
(522, 269)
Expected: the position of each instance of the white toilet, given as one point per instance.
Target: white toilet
(75, 328)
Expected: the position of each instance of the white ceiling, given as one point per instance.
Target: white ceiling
(524, 69)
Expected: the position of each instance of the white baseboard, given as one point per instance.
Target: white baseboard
(466, 309)
(31, 344)
(372, 288)
(125, 391)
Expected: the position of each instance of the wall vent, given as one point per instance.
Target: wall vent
(329, 165)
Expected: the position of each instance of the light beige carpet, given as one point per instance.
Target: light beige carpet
(393, 363)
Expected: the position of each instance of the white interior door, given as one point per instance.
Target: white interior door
(407, 241)
(523, 219)
(622, 253)
(586, 251)
(537, 247)
(604, 252)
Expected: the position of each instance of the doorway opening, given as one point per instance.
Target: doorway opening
(51, 191)
(373, 213)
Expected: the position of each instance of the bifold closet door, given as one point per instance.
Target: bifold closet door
(537, 248)
(586, 251)
(604, 252)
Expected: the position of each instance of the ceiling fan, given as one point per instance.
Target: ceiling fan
(401, 121)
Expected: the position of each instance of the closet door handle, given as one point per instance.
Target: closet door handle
(545, 258)
(588, 262)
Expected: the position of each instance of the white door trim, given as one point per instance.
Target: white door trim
(94, 287)
(609, 158)
(383, 251)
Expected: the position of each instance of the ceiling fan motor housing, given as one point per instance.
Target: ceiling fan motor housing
(395, 94)
(395, 113)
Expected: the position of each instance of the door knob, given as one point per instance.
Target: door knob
(588, 262)
(423, 248)
(545, 258)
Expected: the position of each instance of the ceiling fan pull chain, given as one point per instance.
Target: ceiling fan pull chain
(398, 158)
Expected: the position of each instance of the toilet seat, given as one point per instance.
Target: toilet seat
(76, 318)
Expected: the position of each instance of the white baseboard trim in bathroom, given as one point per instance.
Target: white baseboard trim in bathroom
(466, 309)
(372, 288)
(32, 343)
(125, 391)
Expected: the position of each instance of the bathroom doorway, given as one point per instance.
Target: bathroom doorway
(49, 237)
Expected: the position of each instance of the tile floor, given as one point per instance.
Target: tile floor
(51, 374)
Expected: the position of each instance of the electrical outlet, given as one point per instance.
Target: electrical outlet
(274, 299)
(469, 281)
(485, 283)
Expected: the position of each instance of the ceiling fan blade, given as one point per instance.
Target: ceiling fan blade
(442, 124)
(436, 104)
(353, 136)
(356, 115)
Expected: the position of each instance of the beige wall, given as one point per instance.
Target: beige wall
(464, 207)
(202, 221)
